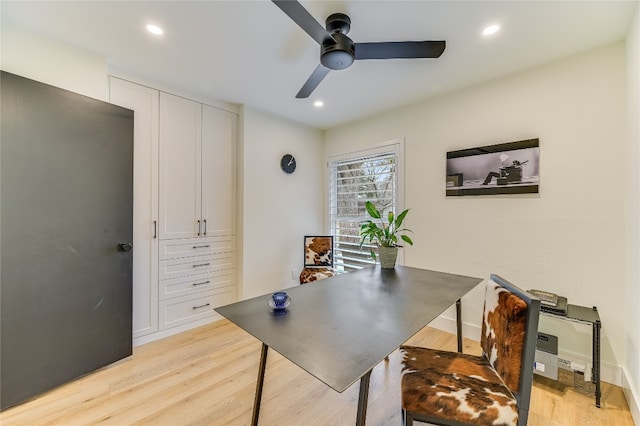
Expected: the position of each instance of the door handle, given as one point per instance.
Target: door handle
(125, 246)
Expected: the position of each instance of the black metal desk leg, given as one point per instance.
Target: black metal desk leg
(459, 323)
(362, 399)
(595, 371)
(256, 401)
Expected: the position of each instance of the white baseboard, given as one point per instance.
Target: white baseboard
(137, 341)
(609, 373)
(469, 331)
(633, 401)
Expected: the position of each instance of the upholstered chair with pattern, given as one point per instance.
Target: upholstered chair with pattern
(450, 388)
(318, 259)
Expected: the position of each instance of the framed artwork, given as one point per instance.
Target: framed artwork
(507, 168)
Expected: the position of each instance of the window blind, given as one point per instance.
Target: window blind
(354, 180)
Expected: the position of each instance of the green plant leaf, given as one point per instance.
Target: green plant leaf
(372, 210)
(406, 239)
(400, 218)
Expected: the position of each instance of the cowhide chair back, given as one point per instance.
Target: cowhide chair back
(449, 388)
(318, 259)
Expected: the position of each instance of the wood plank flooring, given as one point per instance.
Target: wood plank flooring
(207, 376)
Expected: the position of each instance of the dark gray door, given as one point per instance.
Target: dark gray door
(66, 175)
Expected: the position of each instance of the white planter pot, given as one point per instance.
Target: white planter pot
(388, 257)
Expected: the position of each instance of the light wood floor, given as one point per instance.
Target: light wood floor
(207, 376)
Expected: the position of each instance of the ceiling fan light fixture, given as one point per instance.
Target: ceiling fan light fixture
(490, 30)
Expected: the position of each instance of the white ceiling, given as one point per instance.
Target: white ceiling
(250, 52)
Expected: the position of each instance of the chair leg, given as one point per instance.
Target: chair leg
(407, 419)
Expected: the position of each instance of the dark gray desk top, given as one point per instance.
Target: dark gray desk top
(339, 328)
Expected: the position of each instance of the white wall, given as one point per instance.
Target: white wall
(569, 238)
(42, 59)
(279, 209)
(632, 209)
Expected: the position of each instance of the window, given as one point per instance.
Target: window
(371, 175)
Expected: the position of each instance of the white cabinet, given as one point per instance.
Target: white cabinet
(144, 102)
(184, 209)
(196, 275)
(218, 165)
(197, 169)
(180, 167)
(197, 210)
(183, 310)
(171, 249)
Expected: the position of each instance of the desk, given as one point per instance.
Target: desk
(589, 316)
(339, 328)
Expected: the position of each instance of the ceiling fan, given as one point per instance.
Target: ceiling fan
(337, 51)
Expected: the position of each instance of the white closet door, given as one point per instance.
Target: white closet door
(180, 167)
(218, 171)
(144, 102)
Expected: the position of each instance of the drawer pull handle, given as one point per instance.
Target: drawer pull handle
(201, 265)
(197, 247)
(203, 283)
(205, 227)
(202, 306)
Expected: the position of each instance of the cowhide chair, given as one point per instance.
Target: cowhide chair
(318, 259)
(450, 388)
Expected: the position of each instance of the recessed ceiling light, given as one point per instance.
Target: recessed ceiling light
(318, 104)
(491, 29)
(154, 29)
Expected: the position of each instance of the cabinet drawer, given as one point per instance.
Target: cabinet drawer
(184, 286)
(171, 249)
(195, 266)
(181, 310)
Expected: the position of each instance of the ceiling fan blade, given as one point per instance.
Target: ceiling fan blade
(300, 16)
(312, 82)
(399, 49)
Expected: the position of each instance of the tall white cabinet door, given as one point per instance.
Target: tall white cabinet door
(144, 102)
(218, 171)
(180, 167)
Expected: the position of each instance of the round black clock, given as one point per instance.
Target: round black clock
(288, 163)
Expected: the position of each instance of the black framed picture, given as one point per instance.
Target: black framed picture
(507, 168)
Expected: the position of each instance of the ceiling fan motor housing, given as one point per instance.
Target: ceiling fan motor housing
(338, 54)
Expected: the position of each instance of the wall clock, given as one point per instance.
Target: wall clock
(288, 163)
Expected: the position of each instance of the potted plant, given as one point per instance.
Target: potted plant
(385, 236)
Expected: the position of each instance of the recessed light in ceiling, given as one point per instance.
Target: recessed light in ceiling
(491, 29)
(318, 104)
(154, 29)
